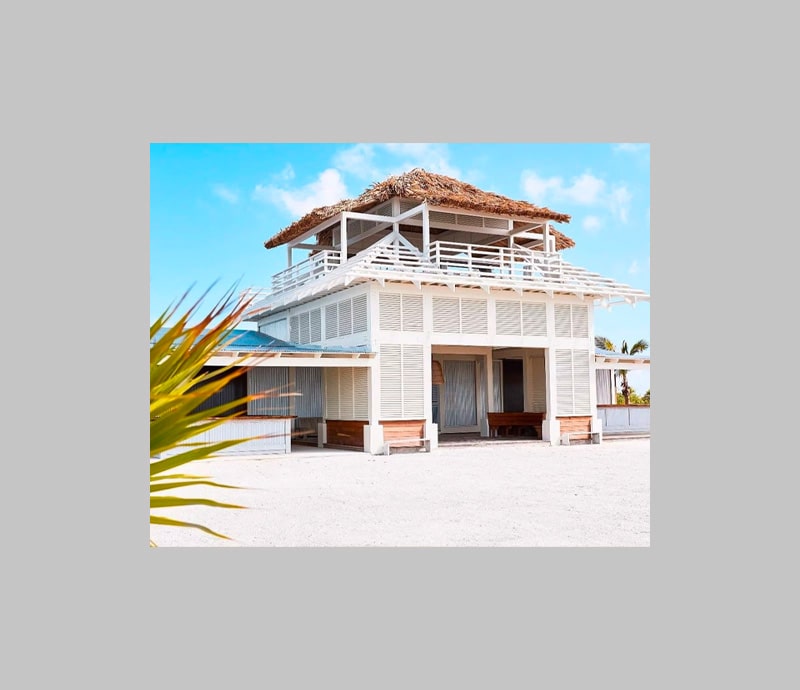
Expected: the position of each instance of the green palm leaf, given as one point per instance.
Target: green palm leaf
(179, 387)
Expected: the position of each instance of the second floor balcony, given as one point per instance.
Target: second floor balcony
(394, 258)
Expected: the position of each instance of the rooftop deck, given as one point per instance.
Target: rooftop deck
(395, 259)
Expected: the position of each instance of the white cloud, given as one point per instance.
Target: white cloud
(226, 193)
(619, 201)
(584, 190)
(287, 173)
(634, 267)
(328, 188)
(631, 148)
(591, 223)
(358, 160)
(376, 162)
(538, 188)
(433, 157)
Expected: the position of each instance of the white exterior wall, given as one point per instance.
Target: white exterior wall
(280, 321)
(274, 436)
(475, 323)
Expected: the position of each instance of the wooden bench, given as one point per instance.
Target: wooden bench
(407, 443)
(503, 423)
(567, 435)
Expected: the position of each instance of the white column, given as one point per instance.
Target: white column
(373, 431)
(289, 254)
(431, 429)
(551, 427)
(546, 237)
(490, 383)
(597, 423)
(426, 230)
(343, 237)
(322, 427)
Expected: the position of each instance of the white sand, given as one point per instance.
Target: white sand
(490, 494)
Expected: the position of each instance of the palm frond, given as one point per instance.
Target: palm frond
(179, 387)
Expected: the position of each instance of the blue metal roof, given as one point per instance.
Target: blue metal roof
(243, 340)
(246, 340)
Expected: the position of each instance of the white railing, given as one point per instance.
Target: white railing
(306, 271)
(452, 262)
(516, 263)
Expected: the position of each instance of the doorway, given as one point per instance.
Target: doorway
(513, 386)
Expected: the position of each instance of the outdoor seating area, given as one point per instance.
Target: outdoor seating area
(515, 424)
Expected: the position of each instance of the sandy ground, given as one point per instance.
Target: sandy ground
(489, 494)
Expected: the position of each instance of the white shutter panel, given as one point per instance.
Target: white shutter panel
(360, 393)
(534, 319)
(391, 381)
(390, 312)
(331, 321)
(580, 321)
(360, 314)
(581, 382)
(507, 319)
(413, 382)
(315, 326)
(573, 382)
(564, 396)
(294, 331)
(446, 318)
(563, 320)
(474, 316)
(346, 393)
(304, 330)
(538, 395)
(412, 313)
(345, 318)
(332, 393)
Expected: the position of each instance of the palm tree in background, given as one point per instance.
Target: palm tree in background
(639, 346)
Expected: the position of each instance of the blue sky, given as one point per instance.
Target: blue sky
(212, 207)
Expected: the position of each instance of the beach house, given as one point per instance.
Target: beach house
(426, 307)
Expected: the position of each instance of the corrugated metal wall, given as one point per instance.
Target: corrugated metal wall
(233, 390)
(460, 402)
(274, 433)
(497, 383)
(311, 401)
(274, 379)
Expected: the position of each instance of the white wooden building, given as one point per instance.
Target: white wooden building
(472, 318)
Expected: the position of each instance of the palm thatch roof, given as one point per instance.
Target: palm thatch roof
(438, 190)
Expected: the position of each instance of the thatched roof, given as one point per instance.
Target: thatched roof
(438, 190)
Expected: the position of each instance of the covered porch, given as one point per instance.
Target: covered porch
(490, 391)
(616, 419)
